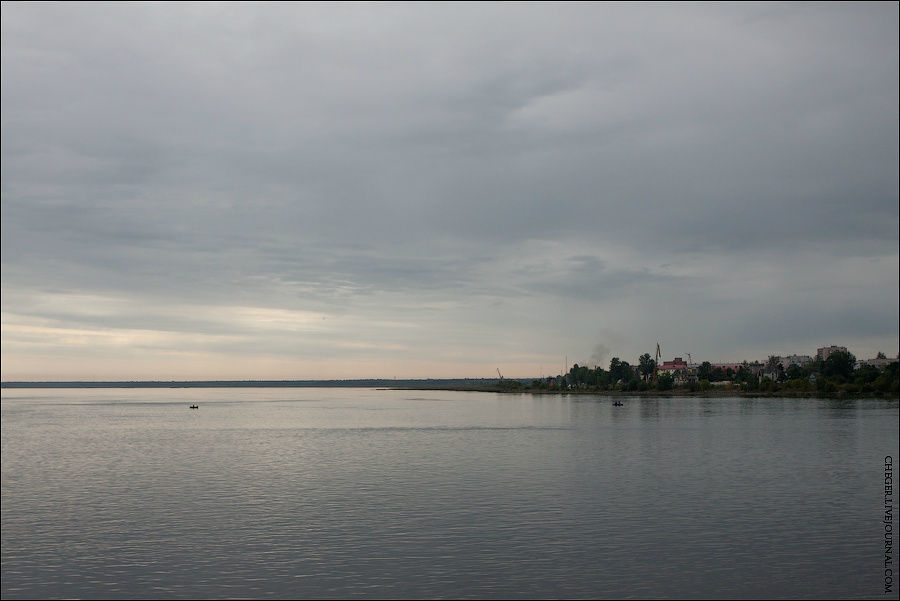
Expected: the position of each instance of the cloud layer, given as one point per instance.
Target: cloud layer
(437, 190)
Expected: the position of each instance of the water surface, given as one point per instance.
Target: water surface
(327, 493)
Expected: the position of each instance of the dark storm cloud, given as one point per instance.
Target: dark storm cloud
(376, 160)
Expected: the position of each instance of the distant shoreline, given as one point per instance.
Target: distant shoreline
(450, 385)
(713, 393)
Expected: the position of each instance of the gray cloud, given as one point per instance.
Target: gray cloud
(475, 169)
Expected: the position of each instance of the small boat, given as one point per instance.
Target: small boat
(194, 407)
(617, 404)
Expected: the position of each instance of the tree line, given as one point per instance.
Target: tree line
(837, 374)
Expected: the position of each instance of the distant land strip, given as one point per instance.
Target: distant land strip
(460, 385)
(429, 383)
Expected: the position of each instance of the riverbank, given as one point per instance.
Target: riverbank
(468, 385)
(674, 393)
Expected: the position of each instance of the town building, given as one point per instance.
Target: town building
(680, 370)
(800, 360)
(755, 367)
(826, 351)
(673, 367)
(880, 362)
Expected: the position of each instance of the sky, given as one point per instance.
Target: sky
(340, 191)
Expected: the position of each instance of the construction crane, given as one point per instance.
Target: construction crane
(656, 364)
(499, 374)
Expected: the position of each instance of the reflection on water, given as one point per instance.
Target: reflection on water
(326, 493)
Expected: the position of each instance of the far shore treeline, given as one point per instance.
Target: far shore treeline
(837, 375)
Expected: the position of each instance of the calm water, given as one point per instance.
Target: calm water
(293, 493)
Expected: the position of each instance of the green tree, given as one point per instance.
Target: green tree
(614, 365)
(718, 374)
(665, 382)
(889, 380)
(866, 374)
(647, 365)
(626, 372)
(795, 372)
(602, 377)
(747, 379)
(839, 364)
(620, 370)
(704, 372)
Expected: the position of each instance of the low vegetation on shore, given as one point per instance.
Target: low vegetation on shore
(838, 375)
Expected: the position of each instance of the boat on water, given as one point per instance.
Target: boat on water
(194, 407)
(617, 404)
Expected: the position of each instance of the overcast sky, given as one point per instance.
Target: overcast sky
(440, 190)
